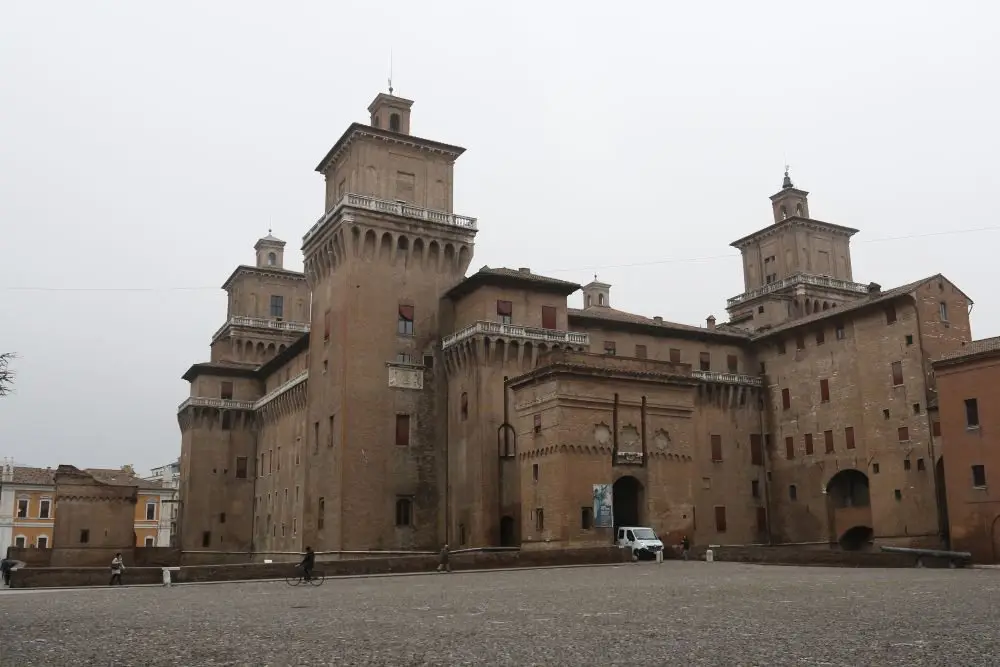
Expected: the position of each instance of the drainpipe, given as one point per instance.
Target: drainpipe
(642, 435)
(614, 432)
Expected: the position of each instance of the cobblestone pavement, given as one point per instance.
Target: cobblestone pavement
(674, 613)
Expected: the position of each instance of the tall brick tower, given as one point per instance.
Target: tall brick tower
(794, 267)
(378, 261)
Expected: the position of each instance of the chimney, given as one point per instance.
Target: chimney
(657, 320)
(7, 472)
(524, 269)
(874, 289)
(710, 321)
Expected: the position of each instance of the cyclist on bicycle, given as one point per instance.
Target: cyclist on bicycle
(308, 563)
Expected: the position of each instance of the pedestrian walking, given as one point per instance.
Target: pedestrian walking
(685, 547)
(444, 564)
(117, 567)
(6, 565)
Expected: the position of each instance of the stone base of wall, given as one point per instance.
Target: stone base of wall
(68, 576)
(788, 555)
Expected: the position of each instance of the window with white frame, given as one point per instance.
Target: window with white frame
(150, 511)
(42, 542)
(22, 508)
(20, 541)
(149, 541)
(45, 508)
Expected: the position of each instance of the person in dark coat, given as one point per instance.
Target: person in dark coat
(685, 547)
(444, 564)
(308, 563)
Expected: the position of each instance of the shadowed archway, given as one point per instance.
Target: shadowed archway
(507, 537)
(849, 509)
(627, 501)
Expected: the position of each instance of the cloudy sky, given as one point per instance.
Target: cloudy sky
(144, 147)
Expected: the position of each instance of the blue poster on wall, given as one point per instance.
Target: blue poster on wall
(603, 511)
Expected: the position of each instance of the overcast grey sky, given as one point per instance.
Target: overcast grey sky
(148, 145)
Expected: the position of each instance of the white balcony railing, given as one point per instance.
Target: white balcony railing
(261, 323)
(728, 378)
(227, 404)
(516, 331)
(799, 279)
(394, 208)
(281, 389)
(221, 403)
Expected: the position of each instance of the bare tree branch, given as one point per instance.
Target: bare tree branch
(6, 373)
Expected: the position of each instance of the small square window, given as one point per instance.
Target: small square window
(640, 351)
(979, 476)
(909, 339)
(906, 464)
(760, 309)
(920, 465)
(916, 408)
(840, 332)
(675, 355)
(874, 468)
(898, 494)
(903, 433)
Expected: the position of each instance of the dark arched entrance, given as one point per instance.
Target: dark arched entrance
(849, 509)
(627, 501)
(507, 538)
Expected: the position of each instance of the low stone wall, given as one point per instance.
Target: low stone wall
(787, 555)
(66, 576)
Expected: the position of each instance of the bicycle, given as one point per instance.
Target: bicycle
(316, 578)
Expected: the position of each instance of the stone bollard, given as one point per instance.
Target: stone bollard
(709, 556)
(659, 556)
(166, 576)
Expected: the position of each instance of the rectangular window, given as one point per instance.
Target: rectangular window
(716, 447)
(321, 513)
(789, 447)
(800, 342)
(22, 508)
(241, 467)
(609, 347)
(675, 355)
(809, 443)
(979, 476)
(44, 508)
(227, 391)
(903, 433)
(793, 493)
(897, 373)
(824, 391)
(705, 361)
(890, 314)
(19, 541)
(84, 536)
(227, 420)
(943, 311)
(401, 358)
(755, 488)
(756, 454)
(971, 413)
(640, 351)
(786, 399)
(549, 317)
(781, 346)
(537, 425)
(732, 363)
(327, 321)
(534, 472)
(820, 337)
(464, 406)
(404, 512)
(404, 324)
(505, 311)
(150, 511)
(331, 422)
(315, 440)
(586, 518)
(906, 464)
(222, 517)
(402, 430)
(936, 429)
(840, 332)
(909, 339)
(149, 541)
(206, 539)
(849, 437)
(539, 519)
(720, 519)
(828, 441)
(277, 306)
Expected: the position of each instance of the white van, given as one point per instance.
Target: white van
(641, 540)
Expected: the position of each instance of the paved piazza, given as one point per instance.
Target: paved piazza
(674, 613)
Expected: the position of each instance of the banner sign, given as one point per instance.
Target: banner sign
(603, 511)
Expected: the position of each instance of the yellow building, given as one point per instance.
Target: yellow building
(28, 506)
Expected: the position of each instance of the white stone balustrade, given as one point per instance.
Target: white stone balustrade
(394, 208)
(516, 331)
(262, 323)
(799, 279)
(221, 403)
(728, 378)
(281, 389)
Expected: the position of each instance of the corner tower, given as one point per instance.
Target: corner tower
(794, 267)
(378, 261)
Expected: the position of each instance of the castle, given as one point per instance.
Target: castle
(381, 399)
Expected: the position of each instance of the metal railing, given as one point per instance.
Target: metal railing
(515, 331)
